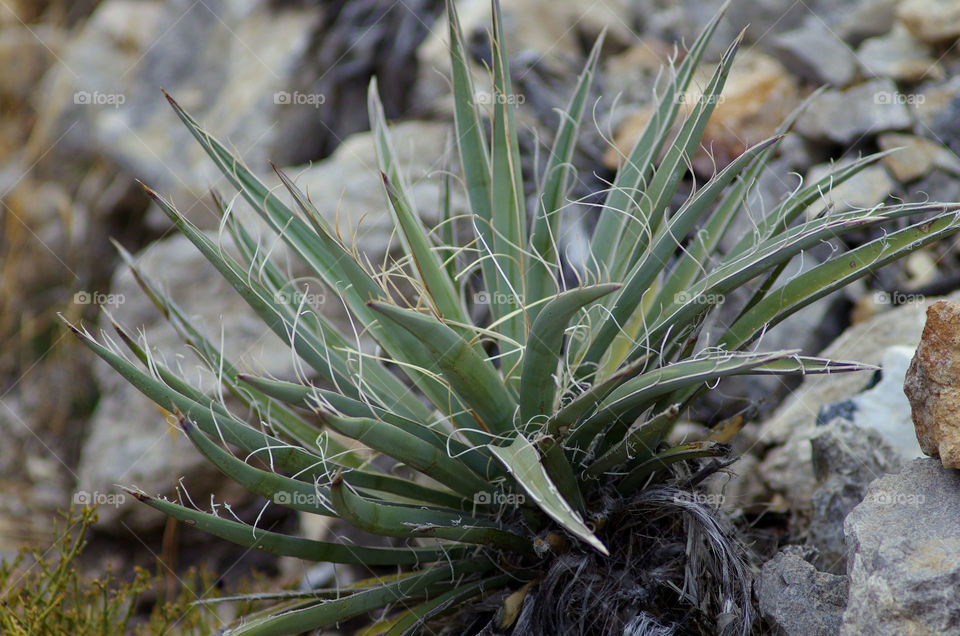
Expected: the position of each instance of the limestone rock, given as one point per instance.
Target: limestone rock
(846, 458)
(903, 545)
(230, 64)
(917, 156)
(797, 599)
(899, 56)
(846, 116)
(933, 21)
(816, 54)
(933, 384)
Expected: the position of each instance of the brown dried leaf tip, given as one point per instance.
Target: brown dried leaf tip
(933, 384)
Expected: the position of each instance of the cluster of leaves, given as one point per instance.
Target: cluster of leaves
(518, 441)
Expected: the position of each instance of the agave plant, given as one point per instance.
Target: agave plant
(521, 465)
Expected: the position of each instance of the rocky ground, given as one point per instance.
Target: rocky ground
(851, 532)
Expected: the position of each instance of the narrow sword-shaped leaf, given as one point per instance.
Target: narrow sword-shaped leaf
(408, 449)
(544, 346)
(411, 622)
(310, 616)
(434, 278)
(837, 273)
(663, 186)
(523, 461)
(682, 453)
(557, 173)
(665, 243)
(509, 214)
(282, 490)
(408, 521)
(470, 376)
(307, 549)
(641, 440)
(636, 393)
(310, 397)
(621, 198)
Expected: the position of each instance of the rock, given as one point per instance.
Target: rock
(899, 56)
(797, 600)
(865, 19)
(867, 188)
(844, 117)
(846, 458)
(933, 21)
(787, 467)
(104, 99)
(917, 158)
(933, 384)
(936, 186)
(903, 545)
(816, 54)
(883, 408)
(937, 107)
(758, 95)
(130, 440)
